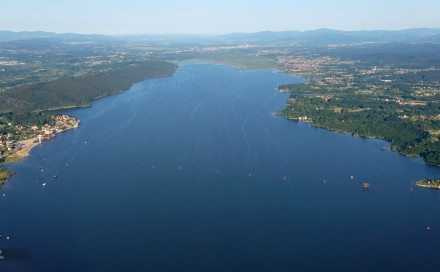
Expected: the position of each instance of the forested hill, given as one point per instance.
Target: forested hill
(80, 91)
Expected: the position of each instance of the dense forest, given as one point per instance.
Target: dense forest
(370, 116)
(30, 104)
(79, 91)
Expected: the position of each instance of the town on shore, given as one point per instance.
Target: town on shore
(17, 140)
(13, 140)
(364, 84)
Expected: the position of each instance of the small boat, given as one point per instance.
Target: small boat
(365, 185)
(44, 184)
(428, 229)
(55, 176)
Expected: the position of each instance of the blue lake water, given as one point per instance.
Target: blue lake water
(195, 172)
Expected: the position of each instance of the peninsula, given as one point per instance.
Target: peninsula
(383, 86)
(429, 183)
(377, 91)
(28, 112)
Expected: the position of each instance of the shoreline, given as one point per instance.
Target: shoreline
(20, 154)
(428, 183)
(328, 128)
(28, 145)
(428, 186)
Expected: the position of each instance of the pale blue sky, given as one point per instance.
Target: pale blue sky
(214, 17)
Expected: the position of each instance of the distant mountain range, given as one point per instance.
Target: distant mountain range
(27, 35)
(330, 36)
(312, 37)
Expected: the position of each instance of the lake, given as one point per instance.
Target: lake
(195, 172)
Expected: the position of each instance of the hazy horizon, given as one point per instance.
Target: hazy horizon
(214, 34)
(197, 17)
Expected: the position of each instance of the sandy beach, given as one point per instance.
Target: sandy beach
(24, 152)
(27, 146)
